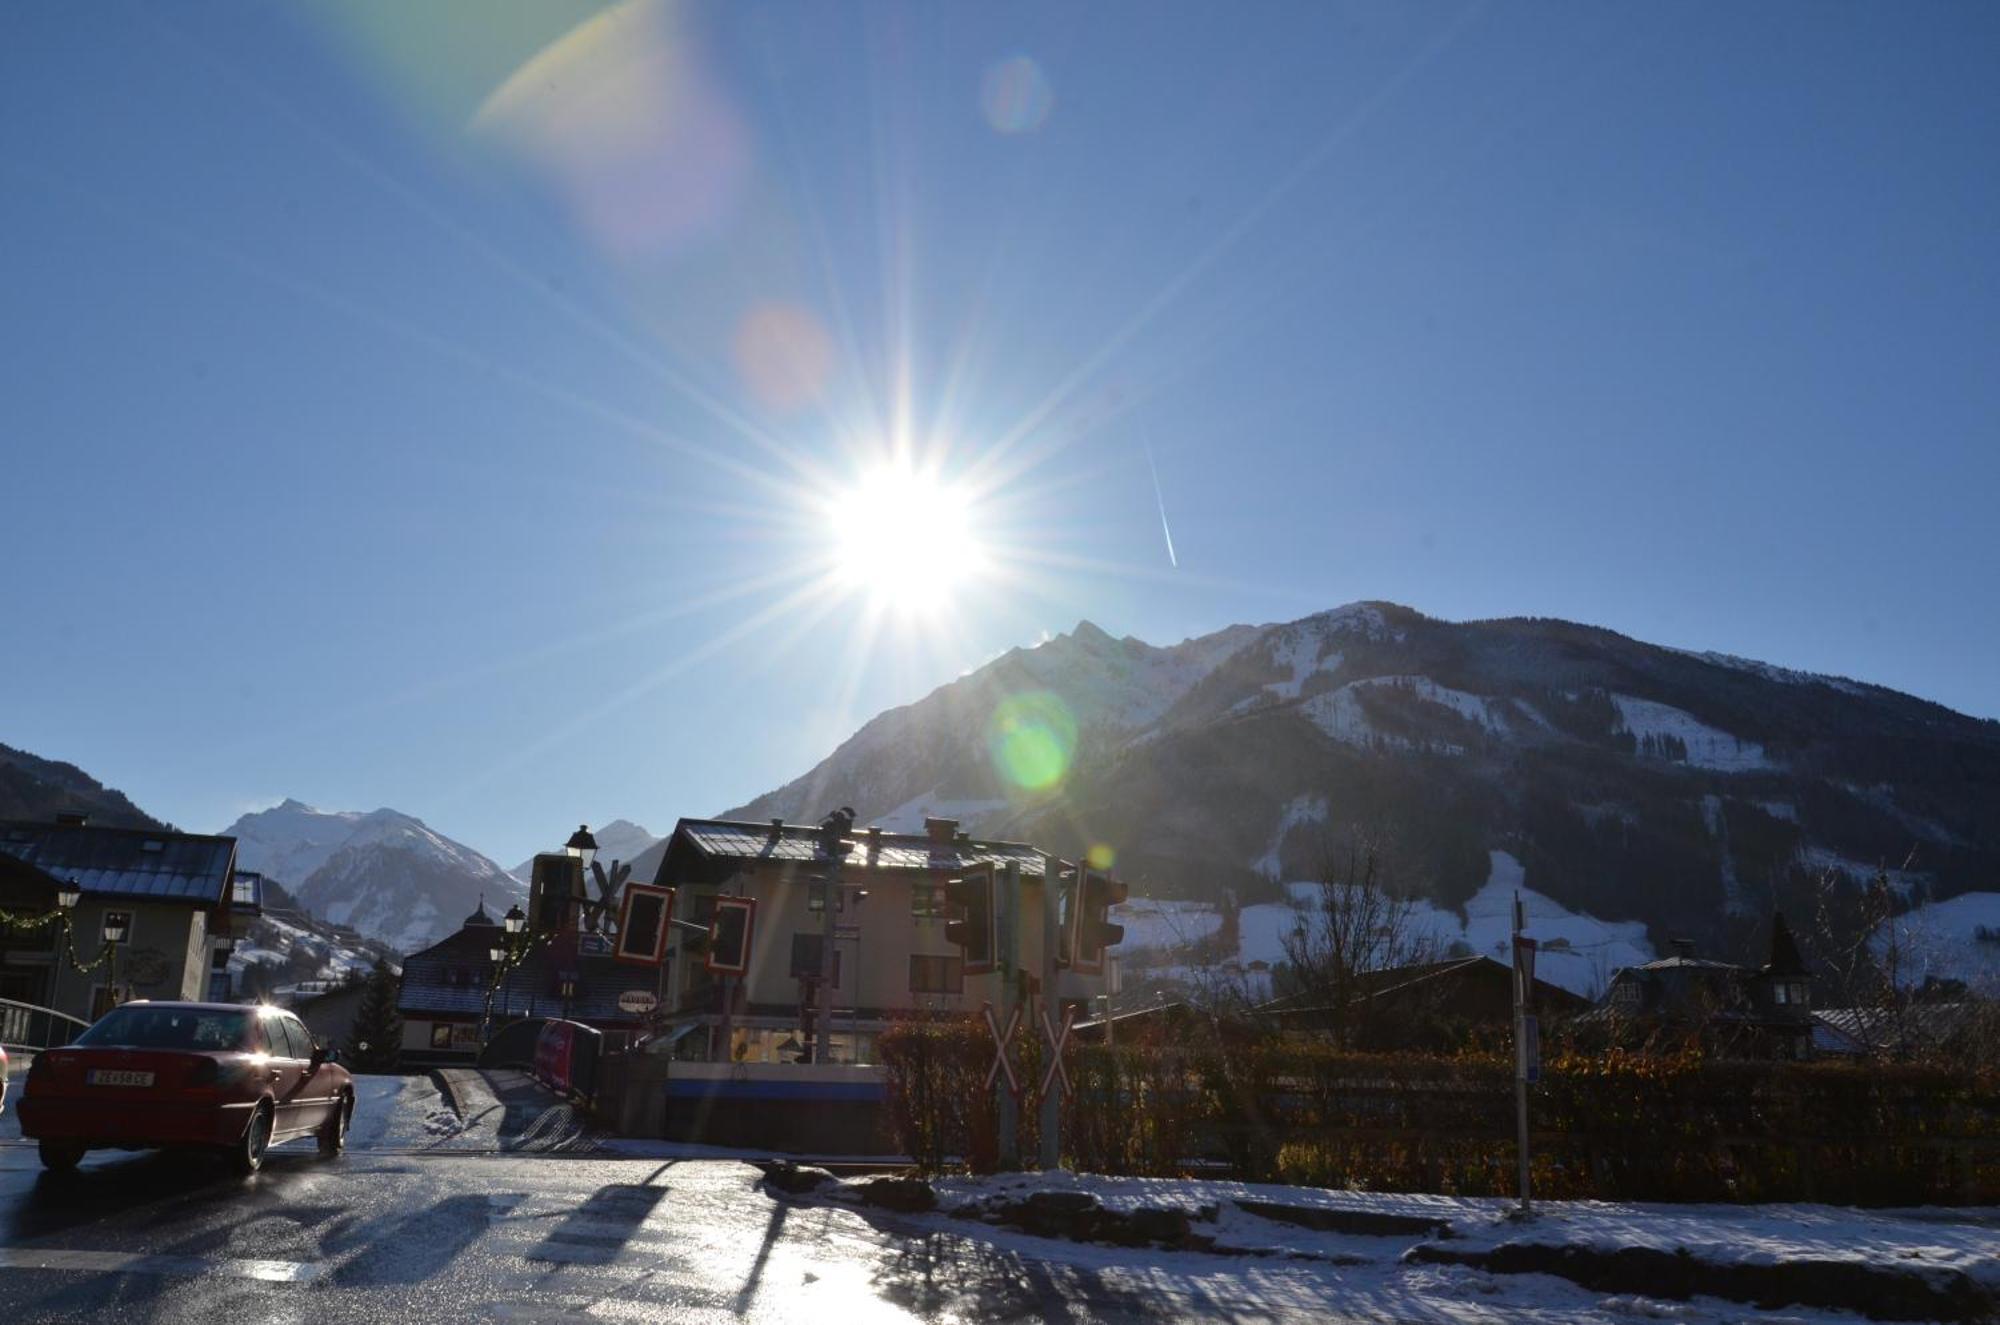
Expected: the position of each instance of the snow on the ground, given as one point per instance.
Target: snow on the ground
(1476, 709)
(1825, 860)
(1942, 939)
(1339, 713)
(910, 815)
(1779, 810)
(1366, 1276)
(1299, 810)
(1579, 952)
(1298, 650)
(1707, 747)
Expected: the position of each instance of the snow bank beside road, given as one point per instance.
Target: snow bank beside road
(1912, 1264)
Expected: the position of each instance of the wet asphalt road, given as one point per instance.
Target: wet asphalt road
(426, 1238)
(405, 1236)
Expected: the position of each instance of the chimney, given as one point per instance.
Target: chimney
(874, 839)
(71, 818)
(1682, 947)
(940, 831)
(777, 828)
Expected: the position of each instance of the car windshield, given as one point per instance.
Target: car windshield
(169, 1028)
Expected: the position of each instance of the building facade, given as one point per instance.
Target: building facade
(174, 892)
(1739, 1011)
(891, 954)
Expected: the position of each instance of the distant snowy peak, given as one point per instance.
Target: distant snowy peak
(289, 841)
(387, 874)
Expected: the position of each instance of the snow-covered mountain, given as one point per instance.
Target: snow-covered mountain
(384, 873)
(1632, 783)
(621, 839)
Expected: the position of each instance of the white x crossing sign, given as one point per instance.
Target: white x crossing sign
(1002, 1062)
(1057, 1039)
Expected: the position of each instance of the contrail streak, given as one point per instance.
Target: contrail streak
(1161, 498)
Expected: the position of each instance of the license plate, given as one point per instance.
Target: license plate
(102, 1076)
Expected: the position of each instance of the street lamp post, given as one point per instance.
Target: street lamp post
(505, 956)
(116, 923)
(582, 845)
(67, 896)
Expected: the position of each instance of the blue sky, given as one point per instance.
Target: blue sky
(435, 408)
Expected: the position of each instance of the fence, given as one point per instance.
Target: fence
(1609, 1126)
(30, 1026)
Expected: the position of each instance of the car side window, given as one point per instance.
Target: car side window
(302, 1039)
(280, 1038)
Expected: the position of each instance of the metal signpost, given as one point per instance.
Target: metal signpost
(1051, 1120)
(1008, 951)
(1527, 1049)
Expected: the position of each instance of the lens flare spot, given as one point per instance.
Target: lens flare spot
(784, 356)
(623, 115)
(1101, 856)
(1015, 95)
(1032, 739)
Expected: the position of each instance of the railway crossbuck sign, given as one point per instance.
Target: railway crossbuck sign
(1001, 1061)
(1057, 1039)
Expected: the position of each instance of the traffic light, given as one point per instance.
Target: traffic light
(643, 916)
(972, 896)
(555, 892)
(729, 933)
(1091, 931)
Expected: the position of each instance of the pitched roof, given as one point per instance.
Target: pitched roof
(451, 978)
(143, 864)
(714, 846)
(1785, 959)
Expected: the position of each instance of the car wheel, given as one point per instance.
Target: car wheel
(333, 1132)
(247, 1155)
(60, 1156)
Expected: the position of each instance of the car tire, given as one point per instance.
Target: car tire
(61, 1156)
(333, 1132)
(247, 1155)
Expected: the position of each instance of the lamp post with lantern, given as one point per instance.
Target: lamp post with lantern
(116, 925)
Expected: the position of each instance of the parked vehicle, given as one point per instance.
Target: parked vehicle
(200, 1075)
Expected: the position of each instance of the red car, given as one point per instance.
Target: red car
(215, 1075)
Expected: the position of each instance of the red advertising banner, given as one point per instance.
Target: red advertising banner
(552, 1055)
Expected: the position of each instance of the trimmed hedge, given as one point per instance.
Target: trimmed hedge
(1616, 1125)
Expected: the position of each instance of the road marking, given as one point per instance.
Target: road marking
(120, 1262)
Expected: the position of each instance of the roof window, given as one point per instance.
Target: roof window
(152, 844)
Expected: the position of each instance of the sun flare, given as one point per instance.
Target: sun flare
(906, 539)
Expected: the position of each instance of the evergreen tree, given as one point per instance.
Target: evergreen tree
(377, 1037)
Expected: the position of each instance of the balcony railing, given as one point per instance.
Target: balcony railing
(30, 1026)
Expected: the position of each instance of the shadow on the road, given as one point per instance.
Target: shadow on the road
(596, 1231)
(772, 1229)
(412, 1249)
(147, 1189)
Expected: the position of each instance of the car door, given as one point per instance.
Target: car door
(288, 1074)
(316, 1083)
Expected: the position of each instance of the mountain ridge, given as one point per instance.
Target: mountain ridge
(1632, 780)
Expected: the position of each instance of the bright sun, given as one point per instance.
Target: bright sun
(906, 539)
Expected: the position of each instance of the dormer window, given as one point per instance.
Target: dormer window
(153, 844)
